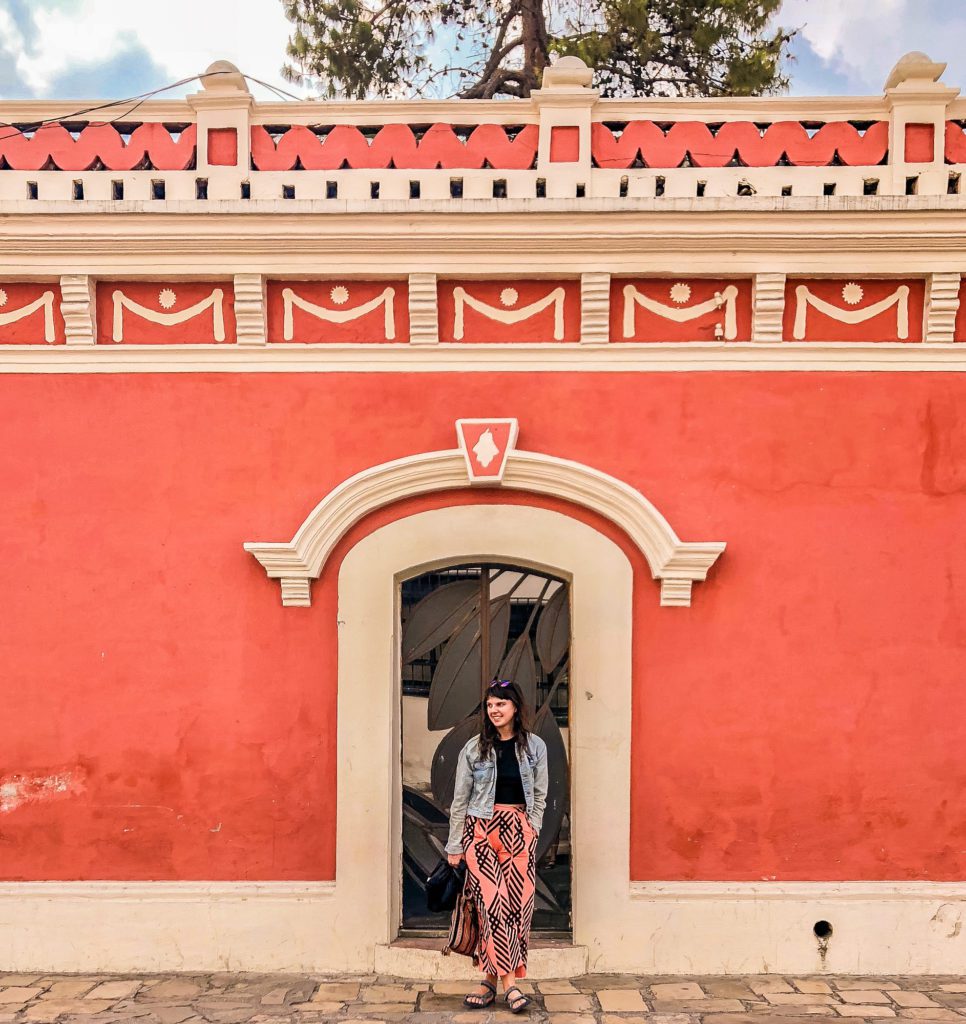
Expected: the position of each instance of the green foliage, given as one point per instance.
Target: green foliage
(361, 48)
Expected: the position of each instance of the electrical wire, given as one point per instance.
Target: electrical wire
(135, 101)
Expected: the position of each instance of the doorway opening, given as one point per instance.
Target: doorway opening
(450, 651)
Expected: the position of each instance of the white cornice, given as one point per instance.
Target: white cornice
(676, 563)
(653, 357)
(468, 237)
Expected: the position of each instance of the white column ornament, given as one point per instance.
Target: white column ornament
(768, 308)
(250, 325)
(78, 309)
(942, 305)
(423, 310)
(594, 309)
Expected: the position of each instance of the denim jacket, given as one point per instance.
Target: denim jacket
(476, 786)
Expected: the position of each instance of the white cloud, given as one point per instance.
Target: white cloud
(862, 41)
(182, 36)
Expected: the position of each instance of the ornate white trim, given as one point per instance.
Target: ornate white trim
(250, 304)
(676, 563)
(77, 307)
(423, 310)
(942, 305)
(627, 357)
(680, 315)
(485, 456)
(555, 298)
(804, 298)
(44, 302)
(594, 309)
(212, 302)
(768, 308)
(338, 316)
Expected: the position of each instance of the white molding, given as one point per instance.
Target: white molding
(942, 305)
(78, 308)
(845, 890)
(768, 308)
(628, 357)
(250, 309)
(674, 562)
(594, 309)
(166, 892)
(423, 310)
(369, 816)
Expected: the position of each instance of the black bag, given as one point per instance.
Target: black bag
(444, 885)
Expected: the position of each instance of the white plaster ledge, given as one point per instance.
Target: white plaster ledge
(169, 892)
(676, 563)
(798, 891)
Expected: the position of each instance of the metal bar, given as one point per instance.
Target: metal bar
(484, 628)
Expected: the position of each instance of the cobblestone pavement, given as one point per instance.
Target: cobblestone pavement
(593, 999)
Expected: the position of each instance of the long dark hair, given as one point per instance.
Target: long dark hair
(504, 690)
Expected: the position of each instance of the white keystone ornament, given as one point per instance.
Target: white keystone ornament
(486, 445)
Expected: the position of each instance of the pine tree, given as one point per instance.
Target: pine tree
(485, 48)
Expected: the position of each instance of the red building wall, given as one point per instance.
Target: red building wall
(166, 718)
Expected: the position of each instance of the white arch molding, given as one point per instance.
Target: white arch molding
(676, 563)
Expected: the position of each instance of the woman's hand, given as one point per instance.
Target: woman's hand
(454, 858)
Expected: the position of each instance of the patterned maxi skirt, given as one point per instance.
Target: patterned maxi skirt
(500, 871)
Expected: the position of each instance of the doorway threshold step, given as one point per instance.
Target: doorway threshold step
(420, 958)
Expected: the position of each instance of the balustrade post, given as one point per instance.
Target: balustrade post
(565, 104)
(223, 111)
(918, 104)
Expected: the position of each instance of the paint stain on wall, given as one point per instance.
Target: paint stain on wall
(20, 788)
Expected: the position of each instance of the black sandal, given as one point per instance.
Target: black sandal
(517, 1003)
(479, 1001)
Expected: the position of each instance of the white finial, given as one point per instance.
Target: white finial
(223, 76)
(914, 66)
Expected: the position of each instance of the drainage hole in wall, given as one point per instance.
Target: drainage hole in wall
(822, 929)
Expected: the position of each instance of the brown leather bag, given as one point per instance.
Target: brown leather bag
(464, 929)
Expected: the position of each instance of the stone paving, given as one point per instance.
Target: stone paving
(593, 999)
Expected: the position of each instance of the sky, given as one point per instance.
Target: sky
(93, 49)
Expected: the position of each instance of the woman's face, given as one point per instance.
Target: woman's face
(500, 711)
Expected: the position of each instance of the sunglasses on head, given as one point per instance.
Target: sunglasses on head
(499, 683)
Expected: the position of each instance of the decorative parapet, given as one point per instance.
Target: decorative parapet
(563, 142)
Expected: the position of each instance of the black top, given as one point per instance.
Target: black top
(509, 787)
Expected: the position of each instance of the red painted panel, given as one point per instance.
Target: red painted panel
(223, 146)
(741, 140)
(32, 313)
(643, 309)
(814, 308)
(564, 144)
(165, 717)
(955, 143)
(205, 309)
(375, 311)
(477, 311)
(920, 143)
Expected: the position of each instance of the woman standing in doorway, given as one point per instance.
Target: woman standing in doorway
(495, 818)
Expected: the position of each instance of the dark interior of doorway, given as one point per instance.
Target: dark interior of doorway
(448, 649)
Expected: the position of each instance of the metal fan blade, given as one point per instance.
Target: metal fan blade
(437, 617)
(456, 685)
(553, 630)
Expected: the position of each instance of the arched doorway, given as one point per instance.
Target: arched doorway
(449, 651)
